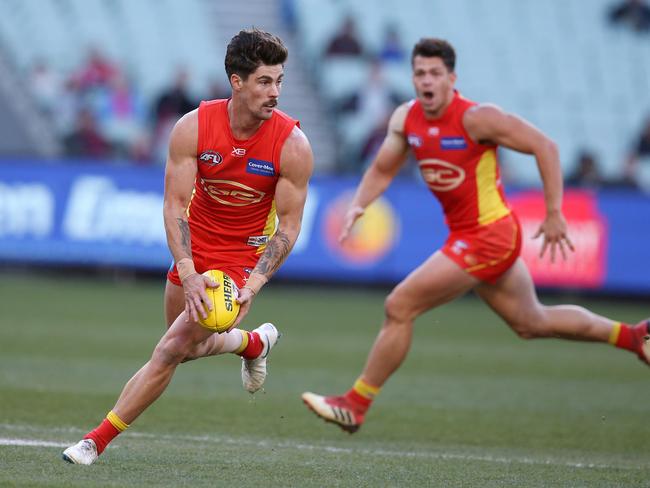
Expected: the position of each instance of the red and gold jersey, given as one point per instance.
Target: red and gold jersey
(462, 174)
(232, 211)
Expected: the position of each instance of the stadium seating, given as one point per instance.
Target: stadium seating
(150, 37)
(559, 64)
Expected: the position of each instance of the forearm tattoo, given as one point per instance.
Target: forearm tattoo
(186, 241)
(274, 255)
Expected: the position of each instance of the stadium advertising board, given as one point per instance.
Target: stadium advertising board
(97, 215)
(586, 268)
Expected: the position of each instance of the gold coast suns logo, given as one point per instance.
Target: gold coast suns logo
(231, 193)
(441, 175)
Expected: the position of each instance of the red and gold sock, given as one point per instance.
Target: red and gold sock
(108, 430)
(251, 346)
(627, 336)
(362, 394)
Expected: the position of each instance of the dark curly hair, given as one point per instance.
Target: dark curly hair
(252, 48)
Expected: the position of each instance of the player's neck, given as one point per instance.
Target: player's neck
(242, 123)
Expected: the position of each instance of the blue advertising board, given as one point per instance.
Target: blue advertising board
(105, 215)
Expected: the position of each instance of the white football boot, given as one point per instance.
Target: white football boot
(253, 371)
(83, 452)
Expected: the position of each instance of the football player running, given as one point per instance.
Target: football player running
(234, 166)
(455, 142)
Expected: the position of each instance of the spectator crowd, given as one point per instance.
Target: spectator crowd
(100, 112)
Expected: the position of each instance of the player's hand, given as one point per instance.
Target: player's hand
(350, 218)
(196, 299)
(245, 300)
(554, 230)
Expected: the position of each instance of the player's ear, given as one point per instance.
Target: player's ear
(452, 77)
(236, 81)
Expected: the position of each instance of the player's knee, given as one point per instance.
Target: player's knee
(171, 351)
(397, 310)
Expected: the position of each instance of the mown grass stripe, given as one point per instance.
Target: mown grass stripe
(292, 444)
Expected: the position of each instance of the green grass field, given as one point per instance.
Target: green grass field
(472, 405)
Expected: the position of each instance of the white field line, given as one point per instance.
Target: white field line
(301, 446)
(30, 443)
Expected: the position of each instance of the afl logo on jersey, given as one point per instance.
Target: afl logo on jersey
(211, 158)
(231, 193)
(441, 175)
(414, 140)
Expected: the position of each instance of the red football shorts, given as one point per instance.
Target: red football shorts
(488, 251)
(237, 273)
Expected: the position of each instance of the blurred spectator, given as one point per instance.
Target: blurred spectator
(288, 15)
(160, 139)
(86, 140)
(97, 71)
(374, 99)
(641, 149)
(345, 42)
(121, 114)
(170, 106)
(46, 86)
(175, 101)
(640, 153)
(586, 173)
(391, 49)
(141, 148)
(218, 90)
(368, 110)
(374, 140)
(634, 14)
(67, 106)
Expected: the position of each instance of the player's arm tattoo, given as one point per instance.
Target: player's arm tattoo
(186, 241)
(274, 255)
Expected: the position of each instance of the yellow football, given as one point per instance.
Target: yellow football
(224, 304)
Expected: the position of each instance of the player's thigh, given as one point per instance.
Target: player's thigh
(513, 296)
(174, 302)
(436, 281)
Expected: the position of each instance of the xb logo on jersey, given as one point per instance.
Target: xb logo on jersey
(232, 193)
(211, 158)
(238, 152)
(441, 175)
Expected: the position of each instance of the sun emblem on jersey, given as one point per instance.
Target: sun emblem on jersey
(232, 193)
(441, 175)
(211, 158)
